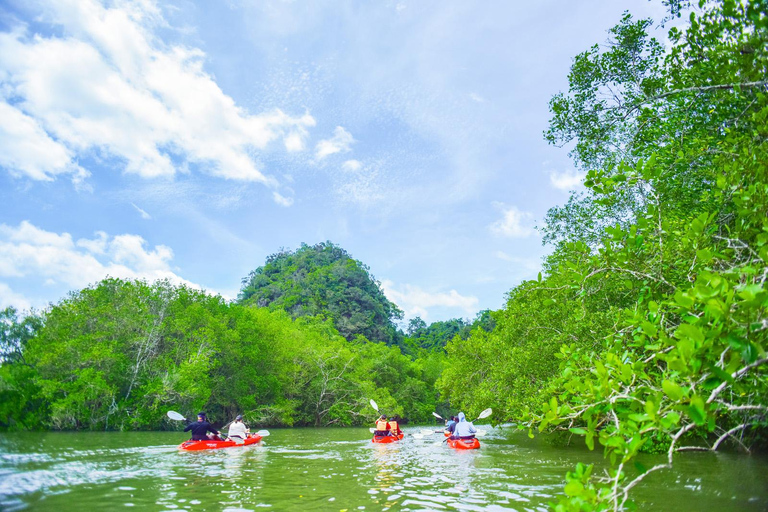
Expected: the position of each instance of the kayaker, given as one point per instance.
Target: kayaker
(450, 424)
(382, 427)
(238, 429)
(200, 429)
(394, 428)
(463, 429)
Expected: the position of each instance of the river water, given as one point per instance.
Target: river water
(341, 470)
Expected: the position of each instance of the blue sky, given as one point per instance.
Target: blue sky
(190, 140)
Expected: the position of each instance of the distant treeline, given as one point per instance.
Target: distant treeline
(119, 354)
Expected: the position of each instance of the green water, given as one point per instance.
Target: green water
(339, 469)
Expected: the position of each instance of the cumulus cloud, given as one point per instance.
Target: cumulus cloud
(10, 298)
(513, 223)
(102, 81)
(26, 149)
(566, 180)
(341, 142)
(31, 253)
(415, 301)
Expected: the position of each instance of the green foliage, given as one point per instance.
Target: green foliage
(324, 280)
(435, 336)
(655, 295)
(119, 354)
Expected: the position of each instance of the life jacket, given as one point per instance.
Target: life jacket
(393, 427)
(382, 425)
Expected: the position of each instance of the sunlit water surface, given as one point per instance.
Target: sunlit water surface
(340, 469)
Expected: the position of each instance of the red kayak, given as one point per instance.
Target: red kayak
(464, 444)
(215, 444)
(387, 439)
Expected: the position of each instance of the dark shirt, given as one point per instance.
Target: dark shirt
(199, 429)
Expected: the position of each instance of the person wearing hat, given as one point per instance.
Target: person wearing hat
(237, 429)
(200, 429)
(382, 427)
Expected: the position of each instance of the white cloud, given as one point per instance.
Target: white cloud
(34, 254)
(477, 98)
(351, 165)
(9, 298)
(339, 143)
(107, 83)
(26, 149)
(294, 142)
(566, 180)
(415, 301)
(513, 222)
(281, 200)
(144, 215)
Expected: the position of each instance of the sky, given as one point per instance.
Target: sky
(190, 140)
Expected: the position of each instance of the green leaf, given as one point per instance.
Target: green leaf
(672, 390)
(578, 430)
(574, 488)
(696, 410)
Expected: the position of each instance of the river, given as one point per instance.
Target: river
(341, 470)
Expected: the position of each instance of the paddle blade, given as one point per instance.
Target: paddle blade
(437, 415)
(373, 404)
(371, 430)
(263, 433)
(485, 413)
(175, 416)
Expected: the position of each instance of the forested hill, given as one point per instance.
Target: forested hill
(323, 279)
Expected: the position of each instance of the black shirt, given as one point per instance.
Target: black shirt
(199, 429)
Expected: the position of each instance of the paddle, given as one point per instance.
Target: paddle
(376, 408)
(178, 417)
(438, 416)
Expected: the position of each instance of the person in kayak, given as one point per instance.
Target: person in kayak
(238, 429)
(394, 428)
(463, 429)
(382, 427)
(200, 429)
(450, 424)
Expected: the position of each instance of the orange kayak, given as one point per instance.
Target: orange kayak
(464, 444)
(387, 439)
(215, 444)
